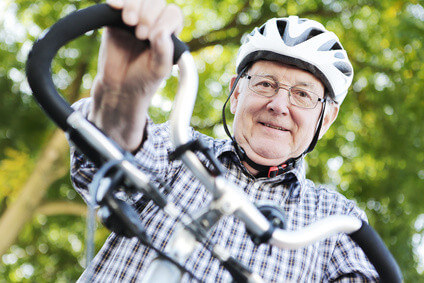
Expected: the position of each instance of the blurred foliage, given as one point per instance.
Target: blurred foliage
(15, 167)
(373, 153)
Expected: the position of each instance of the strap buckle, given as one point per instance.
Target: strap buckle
(276, 170)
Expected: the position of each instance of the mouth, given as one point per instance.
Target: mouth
(273, 127)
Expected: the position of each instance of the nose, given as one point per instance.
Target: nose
(280, 102)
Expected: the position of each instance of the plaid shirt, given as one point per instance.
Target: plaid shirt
(336, 258)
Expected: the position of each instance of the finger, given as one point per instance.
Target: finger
(130, 12)
(150, 11)
(116, 4)
(176, 12)
(148, 14)
(170, 21)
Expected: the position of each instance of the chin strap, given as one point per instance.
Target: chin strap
(224, 120)
(316, 136)
(265, 170)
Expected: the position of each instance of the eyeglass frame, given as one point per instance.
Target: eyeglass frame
(286, 87)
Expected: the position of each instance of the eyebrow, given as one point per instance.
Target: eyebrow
(311, 86)
(306, 84)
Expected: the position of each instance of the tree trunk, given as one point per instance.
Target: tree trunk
(50, 166)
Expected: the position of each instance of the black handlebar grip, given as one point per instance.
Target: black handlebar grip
(378, 254)
(68, 28)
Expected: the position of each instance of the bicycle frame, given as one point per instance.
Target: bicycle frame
(228, 199)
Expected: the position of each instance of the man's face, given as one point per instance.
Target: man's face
(270, 129)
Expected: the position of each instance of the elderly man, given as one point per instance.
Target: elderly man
(292, 75)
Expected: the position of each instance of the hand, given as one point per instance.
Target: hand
(124, 65)
(128, 73)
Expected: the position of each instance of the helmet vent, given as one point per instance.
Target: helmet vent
(336, 46)
(344, 68)
(303, 43)
(314, 32)
(331, 45)
(281, 25)
(327, 46)
(339, 55)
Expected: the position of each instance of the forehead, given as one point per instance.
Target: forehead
(286, 74)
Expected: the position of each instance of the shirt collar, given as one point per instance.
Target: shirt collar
(295, 178)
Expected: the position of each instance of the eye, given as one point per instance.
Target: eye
(301, 93)
(265, 84)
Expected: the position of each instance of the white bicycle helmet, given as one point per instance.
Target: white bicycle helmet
(305, 44)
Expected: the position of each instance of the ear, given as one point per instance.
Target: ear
(235, 96)
(330, 115)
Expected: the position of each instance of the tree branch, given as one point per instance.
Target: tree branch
(62, 207)
(220, 36)
(205, 40)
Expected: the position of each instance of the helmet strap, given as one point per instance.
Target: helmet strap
(265, 170)
(224, 120)
(316, 136)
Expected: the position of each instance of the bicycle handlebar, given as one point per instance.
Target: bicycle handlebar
(359, 231)
(65, 30)
(378, 254)
(88, 138)
(228, 199)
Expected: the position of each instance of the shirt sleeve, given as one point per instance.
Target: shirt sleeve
(348, 262)
(152, 158)
(82, 170)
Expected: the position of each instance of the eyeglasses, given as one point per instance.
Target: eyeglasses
(268, 87)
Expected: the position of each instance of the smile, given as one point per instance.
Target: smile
(273, 127)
